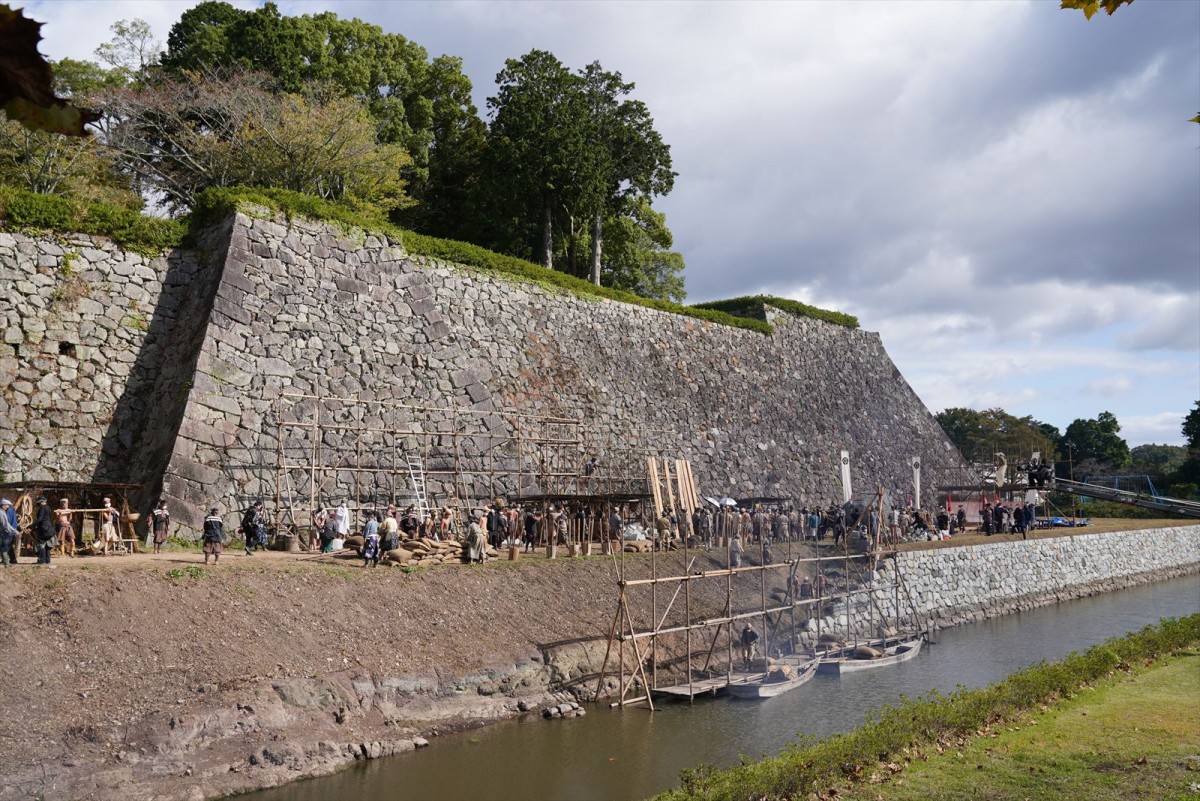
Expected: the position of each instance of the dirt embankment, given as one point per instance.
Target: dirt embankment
(154, 677)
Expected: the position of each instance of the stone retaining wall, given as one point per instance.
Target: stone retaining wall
(957, 584)
(949, 586)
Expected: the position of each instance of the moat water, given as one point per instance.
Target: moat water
(611, 755)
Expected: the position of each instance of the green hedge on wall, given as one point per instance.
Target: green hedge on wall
(130, 229)
(214, 204)
(752, 306)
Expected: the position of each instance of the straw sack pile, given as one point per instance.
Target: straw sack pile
(423, 551)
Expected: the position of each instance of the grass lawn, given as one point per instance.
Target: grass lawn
(1130, 737)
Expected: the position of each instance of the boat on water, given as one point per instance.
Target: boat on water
(863, 657)
(765, 686)
(769, 678)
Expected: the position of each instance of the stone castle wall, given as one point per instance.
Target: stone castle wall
(97, 354)
(304, 308)
(179, 366)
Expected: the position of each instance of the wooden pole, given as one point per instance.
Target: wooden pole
(316, 447)
(277, 403)
(653, 649)
(612, 632)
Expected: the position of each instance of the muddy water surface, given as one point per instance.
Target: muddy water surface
(631, 754)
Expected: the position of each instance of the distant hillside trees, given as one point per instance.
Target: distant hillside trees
(1089, 446)
(979, 436)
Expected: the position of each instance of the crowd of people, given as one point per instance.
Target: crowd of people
(527, 527)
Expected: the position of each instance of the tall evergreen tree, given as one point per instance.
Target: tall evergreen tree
(626, 155)
(536, 143)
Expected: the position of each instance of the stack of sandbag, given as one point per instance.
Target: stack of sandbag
(399, 556)
(426, 551)
(638, 546)
(867, 652)
(781, 672)
(830, 641)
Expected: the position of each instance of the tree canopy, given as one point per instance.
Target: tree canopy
(1188, 473)
(410, 99)
(180, 136)
(1191, 427)
(638, 255)
(46, 162)
(570, 150)
(563, 172)
(1096, 444)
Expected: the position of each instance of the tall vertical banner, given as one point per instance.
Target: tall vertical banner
(845, 476)
(916, 468)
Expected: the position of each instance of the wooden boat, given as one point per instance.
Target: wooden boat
(762, 687)
(847, 662)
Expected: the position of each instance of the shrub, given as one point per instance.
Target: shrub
(25, 208)
(752, 306)
(129, 228)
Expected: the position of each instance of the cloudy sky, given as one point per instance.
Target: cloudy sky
(1007, 192)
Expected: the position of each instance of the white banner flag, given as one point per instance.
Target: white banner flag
(845, 476)
(916, 468)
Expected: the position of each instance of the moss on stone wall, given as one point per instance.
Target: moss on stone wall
(214, 204)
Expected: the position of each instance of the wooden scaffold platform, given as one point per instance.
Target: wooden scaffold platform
(632, 652)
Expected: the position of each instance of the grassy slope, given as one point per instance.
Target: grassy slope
(1131, 736)
(936, 723)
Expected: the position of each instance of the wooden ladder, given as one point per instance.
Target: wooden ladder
(416, 472)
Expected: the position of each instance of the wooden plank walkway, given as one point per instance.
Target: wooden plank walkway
(713, 686)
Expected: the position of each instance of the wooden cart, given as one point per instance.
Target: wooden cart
(85, 500)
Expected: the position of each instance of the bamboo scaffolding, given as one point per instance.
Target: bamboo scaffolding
(855, 567)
